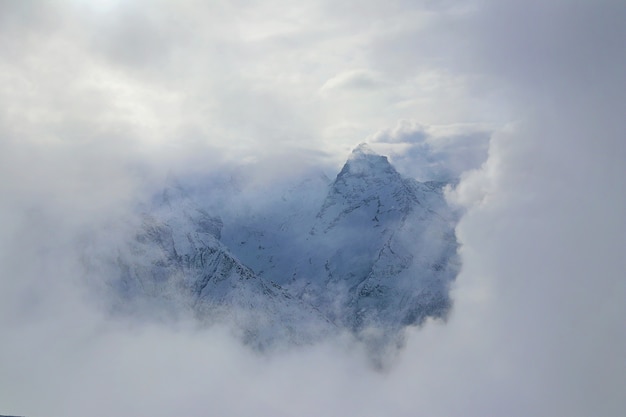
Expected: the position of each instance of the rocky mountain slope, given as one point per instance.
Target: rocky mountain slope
(370, 250)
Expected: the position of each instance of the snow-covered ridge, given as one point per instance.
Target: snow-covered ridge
(368, 250)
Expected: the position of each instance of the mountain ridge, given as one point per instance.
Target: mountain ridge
(379, 251)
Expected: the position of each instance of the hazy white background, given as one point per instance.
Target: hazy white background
(100, 99)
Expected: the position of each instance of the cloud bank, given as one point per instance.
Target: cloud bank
(101, 98)
(439, 153)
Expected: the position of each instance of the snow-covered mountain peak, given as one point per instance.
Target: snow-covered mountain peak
(365, 162)
(367, 187)
(304, 257)
(362, 149)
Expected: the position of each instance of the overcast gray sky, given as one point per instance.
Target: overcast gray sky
(523, 99)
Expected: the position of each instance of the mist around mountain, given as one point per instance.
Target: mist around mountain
(367, 253)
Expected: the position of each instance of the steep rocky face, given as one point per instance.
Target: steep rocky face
(387, 244)
(271, 235)
(176, 261)
(369, 250)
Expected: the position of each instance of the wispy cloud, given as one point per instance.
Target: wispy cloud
(440, 153)
(353, 80)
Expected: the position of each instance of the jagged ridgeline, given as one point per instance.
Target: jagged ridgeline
(370, 252)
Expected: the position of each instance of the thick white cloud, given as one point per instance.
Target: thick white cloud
(98, 101)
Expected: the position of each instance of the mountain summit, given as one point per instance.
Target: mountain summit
(390, 244)
(370, 250)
